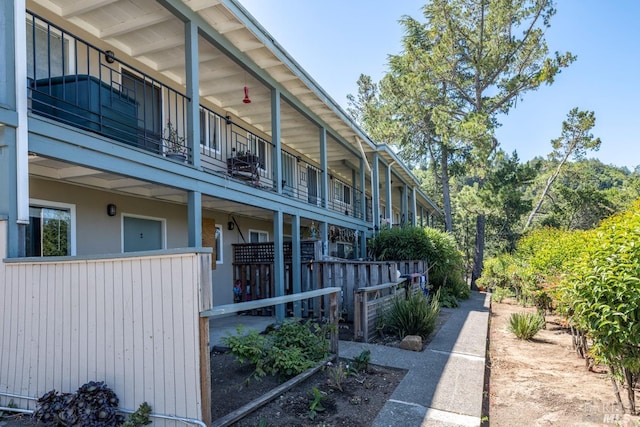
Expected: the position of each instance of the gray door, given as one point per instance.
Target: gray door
(142, 234)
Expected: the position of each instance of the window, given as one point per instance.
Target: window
(258, 146)
(219, 257)
(49, 52)
(288, 173)
(210, 128)
(51, 229)
(258, 236)
(342, 193)
(345, 251)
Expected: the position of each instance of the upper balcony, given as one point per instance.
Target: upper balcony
(123, 69)
(77, 83)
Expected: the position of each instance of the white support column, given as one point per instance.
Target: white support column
(22, 131)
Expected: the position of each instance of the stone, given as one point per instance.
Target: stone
(411, 342)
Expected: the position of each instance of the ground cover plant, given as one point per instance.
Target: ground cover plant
(286, 350)
(416, 315)
(526, 325)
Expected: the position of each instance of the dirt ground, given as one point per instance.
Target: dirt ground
(543, 382)
(358, 403)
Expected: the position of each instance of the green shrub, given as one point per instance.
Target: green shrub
(446, 264)
(526, 325)
(499, 294)
(415, 315)
(286, 350)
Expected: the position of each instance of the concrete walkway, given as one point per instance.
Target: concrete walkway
(445, 382)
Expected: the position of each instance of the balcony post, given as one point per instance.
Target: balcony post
(414, 211)
(278, 262)
(296, 268)
(324, 180)
(275, 140)
(363, 183)
(14, 144)
(405, 204)
(193, 109)
(194, 214)
(388, 195)
(375, 192)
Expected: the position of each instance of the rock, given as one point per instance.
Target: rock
(411, 342)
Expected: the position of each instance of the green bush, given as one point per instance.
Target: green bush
(526, 325)
(438, 248)
(415, 315)
(499, 294)
(287, 350)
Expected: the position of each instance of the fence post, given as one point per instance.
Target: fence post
(333, 319)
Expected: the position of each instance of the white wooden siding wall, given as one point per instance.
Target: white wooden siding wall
(131, 322)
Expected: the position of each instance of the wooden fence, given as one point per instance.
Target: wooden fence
(372, 302)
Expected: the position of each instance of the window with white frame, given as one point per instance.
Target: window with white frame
(258, 147)
(210, 130)
(219, 246)
(258, 236)
(342, 193)
(51, 229)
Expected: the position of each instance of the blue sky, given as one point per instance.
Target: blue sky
(337, 40)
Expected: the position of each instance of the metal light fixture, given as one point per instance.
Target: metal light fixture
(109, 56)
(111, 209)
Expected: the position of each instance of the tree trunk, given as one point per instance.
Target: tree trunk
(478, 255)
(550, 181)
(616, 389)
(631, 395)
(446, 194)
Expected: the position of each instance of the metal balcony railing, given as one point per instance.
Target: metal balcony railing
(74, 82)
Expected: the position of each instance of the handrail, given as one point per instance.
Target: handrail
(379, 287)
(251, 305)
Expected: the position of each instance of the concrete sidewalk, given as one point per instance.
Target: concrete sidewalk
(445, 382)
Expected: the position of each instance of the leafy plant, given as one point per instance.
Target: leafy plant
(415, 315)
(315, 405)
(361, 361)
(526, 325)
(499, 294)
(287, 350)
(248, 347)
(175, 142)
(140, 417)
(336, 375)
(93, 404)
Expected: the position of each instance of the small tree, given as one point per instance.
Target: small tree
(575, 140)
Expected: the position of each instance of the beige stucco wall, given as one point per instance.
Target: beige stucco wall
(97, 233)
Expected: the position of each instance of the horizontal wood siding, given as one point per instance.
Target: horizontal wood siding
(132, 322)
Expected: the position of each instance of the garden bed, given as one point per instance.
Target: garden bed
(361, 398)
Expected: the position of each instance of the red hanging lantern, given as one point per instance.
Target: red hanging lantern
(246, 99)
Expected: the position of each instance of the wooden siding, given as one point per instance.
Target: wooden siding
(131, 321)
